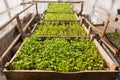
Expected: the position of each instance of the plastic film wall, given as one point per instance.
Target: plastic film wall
(106, 7)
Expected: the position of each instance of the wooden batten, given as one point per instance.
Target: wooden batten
(66, 21)
(81, 20)
(58, 1)
(20, 27)
(76, 16)
(34, 27)
(60, 12)
(85, 28)
(51, 75)
(105, 28)
(109, 45)
(109, 61)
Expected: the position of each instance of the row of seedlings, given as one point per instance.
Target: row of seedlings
(58, 54)
(58, 45)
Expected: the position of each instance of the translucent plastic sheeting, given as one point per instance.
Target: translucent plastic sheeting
(88, 6)
(76, 7)
(8, 28)
(2, 6)
(42, 7)
(3, 18)
(105, 7)
(9, 8)
(13, 3)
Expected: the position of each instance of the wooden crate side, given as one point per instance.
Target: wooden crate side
(49, 75)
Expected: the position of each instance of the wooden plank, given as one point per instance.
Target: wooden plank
(9, 48)
(85, 28)
(20, 27)
(62, 37)
(76, 16)
(109, 45)
(81, 8)
(58, 1)
(50, 75)
(81, 20)
(60, 20)
(60, 12)
(109, 61)
(37, 9)
(105, 28)
(89, 31)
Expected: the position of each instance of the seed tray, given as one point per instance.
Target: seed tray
(114, 38)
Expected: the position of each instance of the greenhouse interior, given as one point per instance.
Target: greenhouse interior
(59, 39)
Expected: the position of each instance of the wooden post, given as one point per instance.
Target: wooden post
(81, 19)
(81, 9)
(105, 27)
(36, 8)
(89, 30)
(20, 28)
(37, 12)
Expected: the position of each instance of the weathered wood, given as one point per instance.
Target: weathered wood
(109, 45)
(89, 31)
(20, 27)
(60, 20)
(50, 75)
(58, 1)
(93, 27)
(62, 36)
(37, 9)
(85, 28)
(60, 12)
(81, 9)
(81, 20)
(109, 61)
(76, 16)
(105, 27)
(9, 48)
(29, 22)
